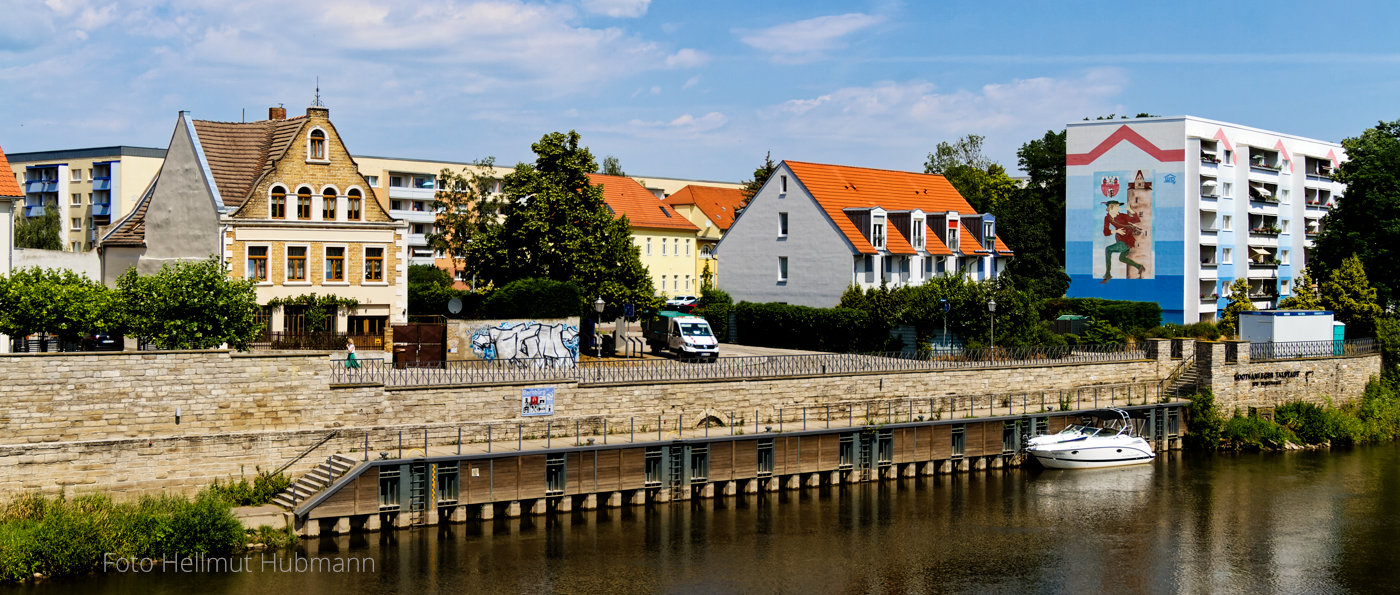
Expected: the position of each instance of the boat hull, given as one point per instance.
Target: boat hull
(1086, 456)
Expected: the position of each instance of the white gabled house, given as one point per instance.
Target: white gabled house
(813, 230)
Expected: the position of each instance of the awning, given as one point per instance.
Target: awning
(1260, 189)
(1259, 251)
(1207, 183)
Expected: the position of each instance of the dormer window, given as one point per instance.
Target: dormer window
(877, 232)
(316, 147)
(953, 234)
(916, 234)
(989, 240)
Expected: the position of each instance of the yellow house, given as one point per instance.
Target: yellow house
(666, 240)
(712, 209)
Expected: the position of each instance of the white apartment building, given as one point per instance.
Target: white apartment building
(90, 187)
(1200, 203)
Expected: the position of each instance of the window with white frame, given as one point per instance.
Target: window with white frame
(877, 232)
(328, 203)
(76, 199)
(257, 264)
(75, 174)
(316, 145)
(648, 246)
(953, 237)
(916, 234)
(1225, 256)
(1226, 222)
(782, 268)
(663, 246)
(77, 224)
(784, 184)
(1283, 257)
(277, 203)
(687, 246)
(335, 264)
(296, 263)
(1286, 223)
(374, 264)
(989, 238)
(782, 225)
(1283, 287)
(1283, 195)
(373, 180)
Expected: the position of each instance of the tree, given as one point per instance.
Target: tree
(760, 177)
(1304, 296)
(1364, 223)
(554, 225)
(611, 167)
(38, 233)
(1239, 302)
(1043, 160)
(1350, 296)
(56, 301)
(464, 205)
(191, 305)
(982, 182)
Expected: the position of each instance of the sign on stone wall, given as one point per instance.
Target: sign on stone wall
(1270, 378)
(536, 401)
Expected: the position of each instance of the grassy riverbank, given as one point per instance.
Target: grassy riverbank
(68, 536)
(1375, 418)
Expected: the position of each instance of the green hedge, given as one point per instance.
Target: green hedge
(801, 327)
(535, 298)
(1130, 317)
(715, 305)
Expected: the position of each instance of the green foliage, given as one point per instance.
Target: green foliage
(715, 305)
(65, 537)
(802, 327)
(611, 167)
(1131, 317)
(1204, 423)
(1363, 223)
(1304, 296)
(1315, 425)
(430, 288)
(1254, 433)
(464, 205)
(1349, 295)
(760, 177)
(554, 225)
(191, 305)
(38, 233)
(1238, 302)
(57, 301)
(260, 491)
(320, 309)
(537, 298)
(1198, 330)
(1388, 335)
(982, 182)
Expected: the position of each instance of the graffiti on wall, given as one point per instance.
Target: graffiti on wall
(1124, 251)
(543, 344)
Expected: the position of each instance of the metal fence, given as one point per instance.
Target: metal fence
(1301, 349)
(618, 371)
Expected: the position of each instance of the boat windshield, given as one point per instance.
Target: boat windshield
(1072, 429)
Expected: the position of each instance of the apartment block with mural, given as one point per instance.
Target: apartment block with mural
(1174, 209)
(90, 187)
(284, 204)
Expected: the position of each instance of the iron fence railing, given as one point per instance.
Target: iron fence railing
(618, 371)
(1281, 350)
(322, 341)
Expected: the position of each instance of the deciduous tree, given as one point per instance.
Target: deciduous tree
(1238, 302)
(38, 233)
(464, 205)
(611, 167)
(554, 225)
(56, 301)
(1349, 295)
(1364, 222)
(1304, 296)
(191, 305)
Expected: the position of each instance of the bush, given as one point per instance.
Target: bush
(801, 327)
(1131, 317)
(260, 491)
(1253, 432)
(536, 298)
(715, 305)
(1204, 424)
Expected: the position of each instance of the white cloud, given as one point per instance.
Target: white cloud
(685, 125)
(809, 39)
(691, 82)
(617, 8)
(686, 58)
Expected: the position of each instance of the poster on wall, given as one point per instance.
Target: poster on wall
(1123, 202)
(536, 401)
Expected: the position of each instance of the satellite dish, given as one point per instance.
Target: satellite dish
(454, 305)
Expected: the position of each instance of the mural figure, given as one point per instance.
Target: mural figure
(1127, 227)
(541, 345)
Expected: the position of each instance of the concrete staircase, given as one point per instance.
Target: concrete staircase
(314, 481)
(1183, 380)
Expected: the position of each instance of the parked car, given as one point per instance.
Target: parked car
(682, 300)
(101, 342)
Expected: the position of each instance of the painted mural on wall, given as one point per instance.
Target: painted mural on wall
(1124, 250)
(536, 343)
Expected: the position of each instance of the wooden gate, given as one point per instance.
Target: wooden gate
(420, 345)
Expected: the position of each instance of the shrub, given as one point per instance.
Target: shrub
(536, 298)
(1131, 317)
(1204, 424)
(260, 491)
(802, 327)
(715, 305)
(1253, 432)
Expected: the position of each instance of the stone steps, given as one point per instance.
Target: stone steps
(314, 481)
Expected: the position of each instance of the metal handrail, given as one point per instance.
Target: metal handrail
(1281, 350)
(467, 372)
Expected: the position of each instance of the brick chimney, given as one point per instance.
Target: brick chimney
(277, 113)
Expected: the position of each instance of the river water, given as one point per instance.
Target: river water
(1300, 522)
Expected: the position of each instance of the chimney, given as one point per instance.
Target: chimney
(277, 113)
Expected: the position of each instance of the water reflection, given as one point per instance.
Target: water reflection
(1312, 522)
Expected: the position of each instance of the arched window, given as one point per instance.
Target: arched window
(278, 203)
(328, 204)
(353, 203)
(303, 203)
(316, 149)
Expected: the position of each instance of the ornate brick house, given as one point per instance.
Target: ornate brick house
(284, 204)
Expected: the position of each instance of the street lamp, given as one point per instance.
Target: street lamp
(946, 306)
(597, 321)
(992, 307)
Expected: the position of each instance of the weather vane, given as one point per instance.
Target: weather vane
(317, 101)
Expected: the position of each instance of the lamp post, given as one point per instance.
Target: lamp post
(946, 305)
(597, 320)
(992, 307)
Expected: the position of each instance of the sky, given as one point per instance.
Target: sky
(698, 90)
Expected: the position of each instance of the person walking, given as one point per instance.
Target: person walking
(350, 361)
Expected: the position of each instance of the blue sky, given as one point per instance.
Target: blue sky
(689, 89)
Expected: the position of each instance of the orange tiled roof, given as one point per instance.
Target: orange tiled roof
(718, 204)
(8, 185)
(627, 197)
(838, 187)
(239, 152)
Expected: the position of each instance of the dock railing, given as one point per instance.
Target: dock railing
(468, 372)
(1282, 350)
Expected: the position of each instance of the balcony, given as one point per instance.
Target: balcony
(34, 211)
(101, 184)
(37, 186)
(412, 193)
(1209, 298)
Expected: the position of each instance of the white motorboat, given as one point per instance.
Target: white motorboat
(1114, 441)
